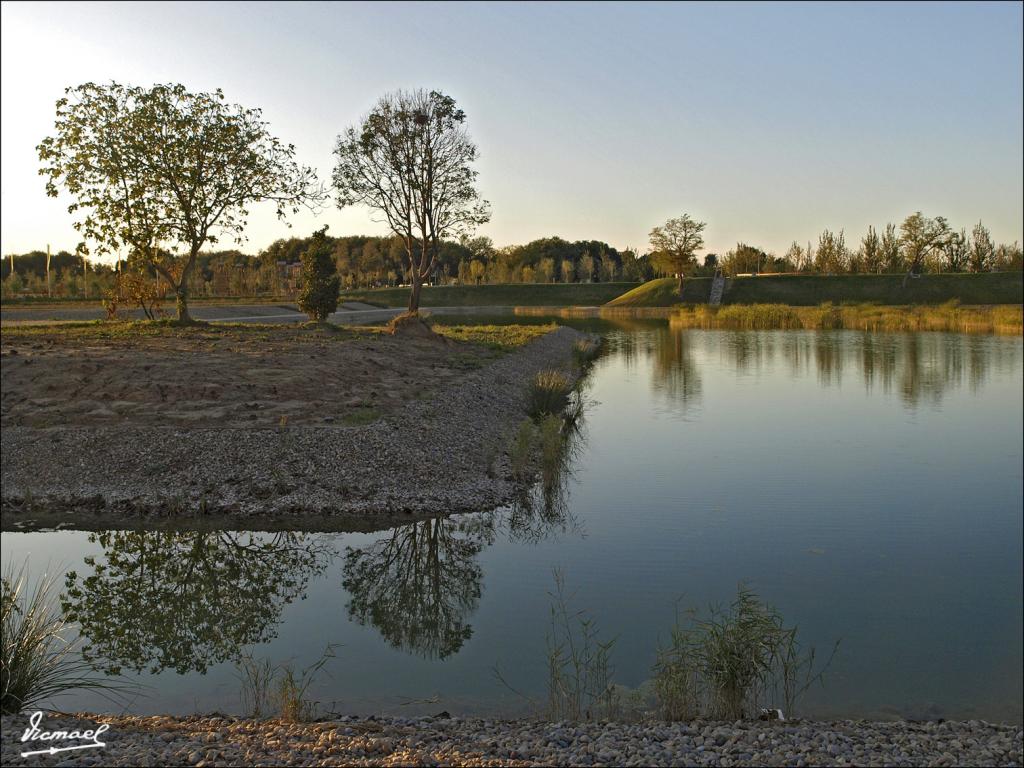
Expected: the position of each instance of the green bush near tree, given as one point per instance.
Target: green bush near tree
(320, 282)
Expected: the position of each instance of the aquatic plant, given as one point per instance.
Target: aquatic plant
(734, 662)
(267, 688)
(521, 451)
(39, 661)
(585, 351)
(547, 394)
(950, 317)
(578, 661)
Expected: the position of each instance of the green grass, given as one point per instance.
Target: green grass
(812, 290)
(499, 337)
(507, 295)
(950, 317)
(664, 292)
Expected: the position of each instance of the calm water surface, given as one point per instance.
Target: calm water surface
(868, 485)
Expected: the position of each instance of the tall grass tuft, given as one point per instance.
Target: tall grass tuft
(547, 394)
(585, 351)
(39, 662)
(579, 663)
(521, 452)
(734, 662)
(267, 688)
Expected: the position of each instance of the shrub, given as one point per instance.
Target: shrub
(320, 282)
(548, 394)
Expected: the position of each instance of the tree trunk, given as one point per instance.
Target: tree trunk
(181, 302)
(414, 296)
(680, 285)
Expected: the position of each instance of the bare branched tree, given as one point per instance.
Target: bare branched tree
(410, 160)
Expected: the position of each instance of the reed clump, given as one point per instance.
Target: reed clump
(950, 317)
(39, 662)
(268, 689)
(733, 662)
(585, 351)
(548, 394)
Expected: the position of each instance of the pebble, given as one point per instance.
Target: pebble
(447, 438)
(487, 742)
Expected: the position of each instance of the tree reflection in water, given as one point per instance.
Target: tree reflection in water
(675, 374)
(186, 600)
(419, 585)
(542, 509)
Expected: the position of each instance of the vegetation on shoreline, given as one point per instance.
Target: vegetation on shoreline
(499, 337)
(811, 290)
(949, 317)
(39, 659)
(730, 663)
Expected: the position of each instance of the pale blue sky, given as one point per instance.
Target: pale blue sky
(769, 121)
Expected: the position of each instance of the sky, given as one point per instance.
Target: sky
(595, 121)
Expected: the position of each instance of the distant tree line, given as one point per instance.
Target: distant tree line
(361, 262)
(918, 245)
(372, 262)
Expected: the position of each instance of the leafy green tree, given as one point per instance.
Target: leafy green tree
(744, 258)
(546, 270)
(320, 281)
(832, 256)
(795, 255)
(979, 257)
(165, 166)
(568, 269)
(411, 160)
(921, 237)
(675, 244)
(871, 252)
(1007, 258)
(585, 268)
(477, 270)
(891, 250)
(955, 251)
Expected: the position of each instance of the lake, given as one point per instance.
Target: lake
(867, 485)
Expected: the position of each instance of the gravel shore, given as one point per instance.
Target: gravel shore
(440, 455)
(153, 741)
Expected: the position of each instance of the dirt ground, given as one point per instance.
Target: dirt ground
(224, 377)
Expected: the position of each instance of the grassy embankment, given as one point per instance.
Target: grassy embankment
(496, 337)
(506, 295)
(812, 290)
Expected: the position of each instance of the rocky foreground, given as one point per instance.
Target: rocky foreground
(152, 741)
